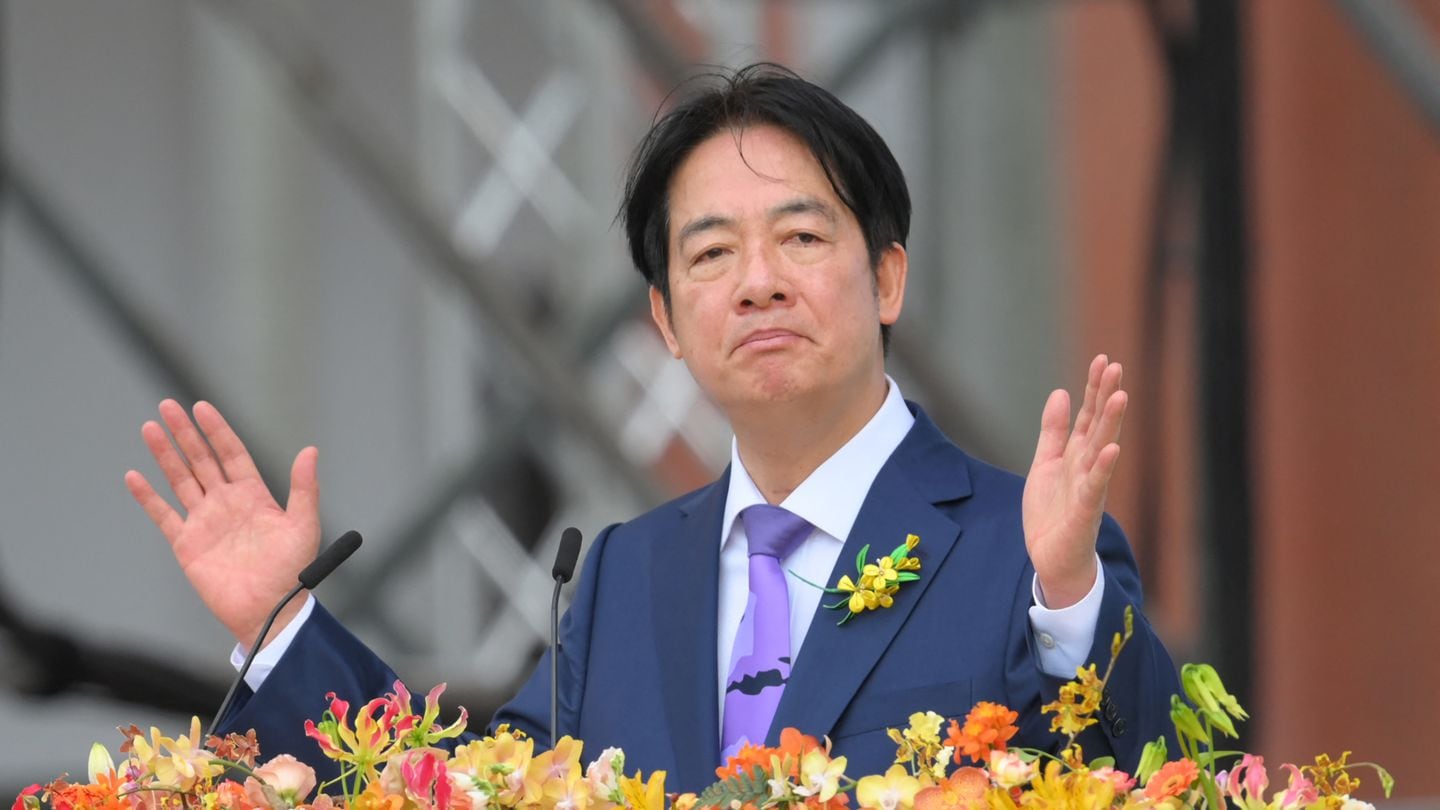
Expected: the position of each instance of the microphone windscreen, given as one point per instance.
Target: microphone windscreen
(567, 556)
(330, 559)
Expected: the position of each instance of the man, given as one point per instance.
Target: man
(770, 221)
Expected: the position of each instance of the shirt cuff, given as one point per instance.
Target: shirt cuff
(271, 653)
(1063, 637)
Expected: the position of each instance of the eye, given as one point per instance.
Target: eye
(806, 238)
(709, 255)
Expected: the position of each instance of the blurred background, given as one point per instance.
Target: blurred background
(387, 229)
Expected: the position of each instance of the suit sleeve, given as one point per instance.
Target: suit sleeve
(323, 658)
(1136, 705)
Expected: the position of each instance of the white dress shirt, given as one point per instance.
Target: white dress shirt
(830, 499)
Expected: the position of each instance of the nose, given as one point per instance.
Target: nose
(761, 283)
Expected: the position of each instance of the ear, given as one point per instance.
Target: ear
(890, 282)
(661, 315)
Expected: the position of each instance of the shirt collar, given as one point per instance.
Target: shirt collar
(831, 497)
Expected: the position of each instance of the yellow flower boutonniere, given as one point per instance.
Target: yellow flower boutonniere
(875, 583)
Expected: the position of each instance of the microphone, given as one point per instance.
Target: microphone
(563, 569)
(327, 561)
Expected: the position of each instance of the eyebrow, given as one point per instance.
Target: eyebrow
(802, 205)
(704, 223)
(799, 205)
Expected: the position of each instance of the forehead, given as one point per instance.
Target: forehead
(735, 171)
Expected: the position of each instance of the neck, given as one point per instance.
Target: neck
(781, 445)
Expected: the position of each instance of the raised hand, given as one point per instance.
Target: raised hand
(240, 550)
(1065, 491)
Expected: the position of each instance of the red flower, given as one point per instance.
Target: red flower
(20, 801)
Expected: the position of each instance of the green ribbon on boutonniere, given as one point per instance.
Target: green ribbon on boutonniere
(875, 583)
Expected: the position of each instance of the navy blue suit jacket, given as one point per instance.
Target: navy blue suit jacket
(638, 644)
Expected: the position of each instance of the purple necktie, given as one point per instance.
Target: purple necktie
(760, 661)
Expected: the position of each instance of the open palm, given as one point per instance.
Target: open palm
(238, 547)
(1065, 491)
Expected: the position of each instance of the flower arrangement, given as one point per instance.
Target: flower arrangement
(390, 760)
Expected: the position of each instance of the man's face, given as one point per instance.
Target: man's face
(772, 295)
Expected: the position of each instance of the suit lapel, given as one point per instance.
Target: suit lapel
(684, 585)
(835, 660)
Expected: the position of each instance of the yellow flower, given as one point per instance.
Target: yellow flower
(1078, 700)
(180, 763)
(1331, 777)
(925, 729)
(820, 775)
(552, 774)
(1076, 790)
(865, 596)
(496, 766)
(881, 572)
(642, 795)
(896, 789)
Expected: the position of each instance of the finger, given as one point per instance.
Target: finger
(1107, 430)
(1054, 427)
(304, 499)
(1092, 386)
(161, 513)
(202, 461)
(1097, 481)
(235, 460)
(177, 472)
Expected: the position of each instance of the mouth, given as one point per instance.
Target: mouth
(763, 339)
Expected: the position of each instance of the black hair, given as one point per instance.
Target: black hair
(859, 165)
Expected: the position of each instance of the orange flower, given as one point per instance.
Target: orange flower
(988, 727)
(1172, 780)
(965, 789)
(746, 760)
(794, 746)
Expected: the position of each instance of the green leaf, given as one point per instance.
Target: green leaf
(901, 552)
(860, 558)
(1204, 758)
(745, 788)
(1102, 762)
(838, 605)
(907, 576)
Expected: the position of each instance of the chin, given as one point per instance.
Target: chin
(775, 385)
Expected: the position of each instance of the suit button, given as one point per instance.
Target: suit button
(1118, 728)
(1110, 712)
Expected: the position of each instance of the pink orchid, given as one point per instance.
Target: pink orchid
(421, 730)
(1300, 792)
(1122, 781)
(427, 782)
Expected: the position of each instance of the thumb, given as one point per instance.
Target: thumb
(304, 499)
